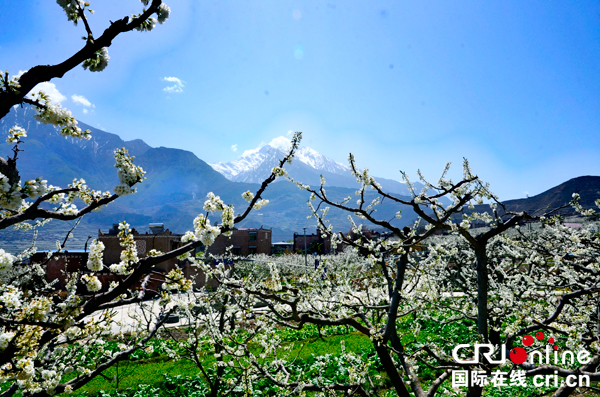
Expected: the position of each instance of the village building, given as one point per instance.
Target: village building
(60, 265)
(282, 247)
(243, 242)
(312, 243)
(156, 238)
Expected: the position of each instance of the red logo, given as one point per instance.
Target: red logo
(518, 355)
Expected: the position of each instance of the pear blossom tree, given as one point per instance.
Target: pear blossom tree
(53, 342)
(496, 285)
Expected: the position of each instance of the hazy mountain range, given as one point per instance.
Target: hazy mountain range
(587, 186)
(178, 181)
(248, 166)
(308, 166)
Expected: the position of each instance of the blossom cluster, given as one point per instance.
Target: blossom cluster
(6, 261)
(215, 204)
(92, 282)
(204, 232)
(98, 62)
(71, 8)
(54, 114)
(248, 196)
(129, 254)
(11, 195)
(176, 281)
(128, 173)
(278, 171)
(83, 192)
(162, 14)
(260, 203)
(94, 262)
(15, 134)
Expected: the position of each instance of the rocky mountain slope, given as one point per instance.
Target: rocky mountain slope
(174, 190)
(178, 181)
(588, 188)
(308, 166)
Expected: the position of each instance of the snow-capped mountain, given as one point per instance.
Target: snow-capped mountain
(319, 162)
(308, 165)
(254, 165)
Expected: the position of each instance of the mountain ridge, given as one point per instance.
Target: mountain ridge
(308, 165)
(178, 181)
(587, 186)
(175, 188)
(251, 160)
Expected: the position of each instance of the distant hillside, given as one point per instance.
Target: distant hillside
(173, 193)
(177, 183)
(588, 188)
(59, 160)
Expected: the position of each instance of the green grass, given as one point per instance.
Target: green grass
(330, 345)
(151, 371)
(135, 373)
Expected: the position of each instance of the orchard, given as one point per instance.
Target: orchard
(437, 308)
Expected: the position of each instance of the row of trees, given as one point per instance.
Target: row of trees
(493, 286)
(489, 287)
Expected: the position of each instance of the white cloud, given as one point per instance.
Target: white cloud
(234, 147)
(290, 133)
(250, 151)
(48, 88)
(176, 88)
(81, 100)
(85, 111)
(281, 142)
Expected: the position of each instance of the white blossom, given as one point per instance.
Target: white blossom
(5, 339)
(260, 203)
(15, 134)
(6, 260)
(94, 262)
(278, 171)
(248, 196)
(147, 25)
(92, 283)
(54, 114)
(162, 13)
(128, 173)
(98, 62)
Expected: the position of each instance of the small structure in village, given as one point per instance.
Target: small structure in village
(243, 242)
(157, 238)
(312, 243)
(61, 264)
(282, 247)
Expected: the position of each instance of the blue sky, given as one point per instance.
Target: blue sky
(512, 86)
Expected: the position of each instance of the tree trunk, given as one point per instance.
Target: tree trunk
(390, 369)
(474, 391)
(564, 391)
(482, 292)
